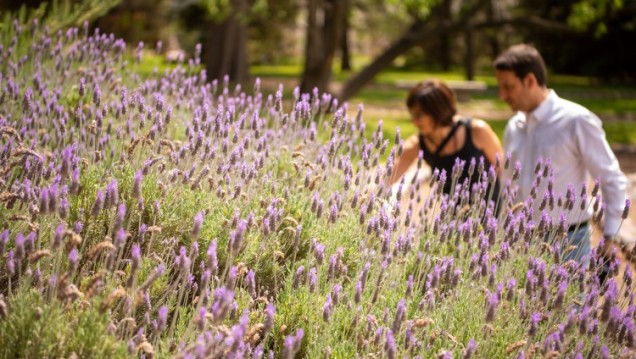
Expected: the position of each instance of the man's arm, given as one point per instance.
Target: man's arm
(600, 161)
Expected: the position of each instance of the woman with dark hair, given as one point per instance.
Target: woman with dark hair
(446, 138)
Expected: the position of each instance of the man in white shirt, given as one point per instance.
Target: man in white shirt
(566, 138)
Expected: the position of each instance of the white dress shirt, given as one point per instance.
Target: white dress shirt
(573, 140)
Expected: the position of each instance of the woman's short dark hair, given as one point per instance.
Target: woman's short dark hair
(523, 59)
(434, 98)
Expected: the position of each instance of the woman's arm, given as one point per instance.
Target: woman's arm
(410, 150)
(487, 141)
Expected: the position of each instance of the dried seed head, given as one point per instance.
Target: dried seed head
(146, 347)
(73, 241)
(516, 345)
(37, 255)
(93, 285)
(112, 298)
(105, 245)
(423, 322)
(8, 196)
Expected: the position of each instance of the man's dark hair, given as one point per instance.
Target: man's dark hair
(523, 59)
(435, 98)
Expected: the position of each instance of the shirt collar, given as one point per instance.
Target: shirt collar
(542, 112)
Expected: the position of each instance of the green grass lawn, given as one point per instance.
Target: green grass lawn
(609, 102)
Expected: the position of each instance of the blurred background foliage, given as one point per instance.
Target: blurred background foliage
(578, 37)
(345, 46)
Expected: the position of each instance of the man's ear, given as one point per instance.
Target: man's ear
(530, 80)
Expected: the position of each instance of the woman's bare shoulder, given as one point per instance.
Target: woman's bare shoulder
(480, 127)
(479, 124)
(482, 133)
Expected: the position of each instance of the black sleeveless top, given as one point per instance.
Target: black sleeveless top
(466, 153)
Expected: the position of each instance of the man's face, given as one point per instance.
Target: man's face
(514, 91)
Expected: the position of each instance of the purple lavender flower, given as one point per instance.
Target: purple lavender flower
(605, 354)
(493, 302)
(512, 283)
(121, 215)
(75, 181)
(72, 259)
(251, 283)
(97, 205)
(597, 186)
(63, 209)
(10, 263)
(558, 299)
(327, 308)
(97, 94)
(4, 239)
(20, 252)
(400, 314)
(298, 277)
(136, 190)
(212, 262)
(237, 236)
(44, 201)
(135, 255)
(231, 278)
(313, 279)
(53, 197)
(223, 300)
(258, 352)
(112, 194)
(389, 346)
(82, 87)
(358, 294)
(470, 349)
(162, 318)
(196, 228)
(535, 318)
(319, 252)
(269, 318)
(120, 237)
(292, 344)
(409, 286)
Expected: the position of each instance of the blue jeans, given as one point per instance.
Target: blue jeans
(580, 238)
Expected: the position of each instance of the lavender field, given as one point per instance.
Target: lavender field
(179, 216)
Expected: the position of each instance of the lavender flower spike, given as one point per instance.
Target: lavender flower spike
(292, 344)
(196, 228)
(470, 349)
(136, 190)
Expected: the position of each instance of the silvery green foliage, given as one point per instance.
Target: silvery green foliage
(208, 221)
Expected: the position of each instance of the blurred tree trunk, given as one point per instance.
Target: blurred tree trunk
(444, 39)
(345, 60)
(137, 20)
(469, 59)
(492, 39)
(324, 32)
(444, 52)
(225, 46)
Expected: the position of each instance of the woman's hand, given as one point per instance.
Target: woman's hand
(410, 150)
